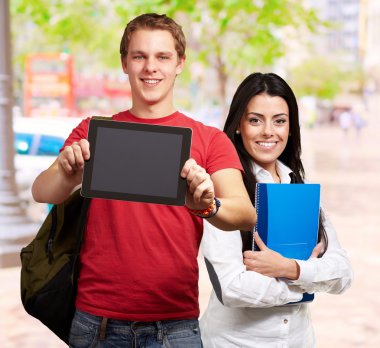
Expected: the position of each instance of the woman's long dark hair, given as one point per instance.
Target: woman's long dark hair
(275, 86)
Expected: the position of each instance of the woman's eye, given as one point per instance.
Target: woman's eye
(280, 121)
(254, 120)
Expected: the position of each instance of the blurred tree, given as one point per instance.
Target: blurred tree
(355, 79)
(317, 76)
(85, 28)
(325, 78)
(234, 37)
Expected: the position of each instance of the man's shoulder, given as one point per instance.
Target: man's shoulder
(198, 124)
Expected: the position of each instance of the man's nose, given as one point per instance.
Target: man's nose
(150, 65)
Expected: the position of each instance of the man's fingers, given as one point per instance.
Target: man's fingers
(72, 157)
(67, 159)
(186, 168)
(85, 147)
(196, 175)
(200, 181)
(77, 151)
(66, 165)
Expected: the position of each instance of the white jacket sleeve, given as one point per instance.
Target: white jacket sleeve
(331, 273)
(233, 284)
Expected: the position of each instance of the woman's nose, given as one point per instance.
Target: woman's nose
(268, 128)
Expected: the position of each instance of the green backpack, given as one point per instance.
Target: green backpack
(49, 266)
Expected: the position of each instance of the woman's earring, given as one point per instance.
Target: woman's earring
(237, 131)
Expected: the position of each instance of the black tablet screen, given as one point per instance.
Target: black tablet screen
(136, 162)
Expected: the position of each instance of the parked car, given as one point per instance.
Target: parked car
(37, 143)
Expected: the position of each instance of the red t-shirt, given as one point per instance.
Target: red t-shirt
(139, 260)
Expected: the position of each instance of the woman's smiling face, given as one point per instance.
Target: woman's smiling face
(264, 129)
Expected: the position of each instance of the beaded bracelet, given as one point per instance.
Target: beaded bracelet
(208, 212)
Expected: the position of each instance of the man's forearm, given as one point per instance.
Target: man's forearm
(51, 186)
(235, 213)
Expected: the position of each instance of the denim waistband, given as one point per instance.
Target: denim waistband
(96, 321)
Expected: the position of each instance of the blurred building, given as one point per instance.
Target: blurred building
(353, 37)
(338, 41)
(341, 39)
(370, 43)
(54, 88)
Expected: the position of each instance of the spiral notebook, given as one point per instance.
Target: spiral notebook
(288, 219)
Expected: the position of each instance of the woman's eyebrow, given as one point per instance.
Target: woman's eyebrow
(281, 114)
(254, 113)
(258, 114)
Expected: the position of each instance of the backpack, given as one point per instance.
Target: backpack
(49, 266)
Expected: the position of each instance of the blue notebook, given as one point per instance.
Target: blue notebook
(288, 219)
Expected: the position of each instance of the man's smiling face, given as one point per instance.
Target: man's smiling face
(152, 64)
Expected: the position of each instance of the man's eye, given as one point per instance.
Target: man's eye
(138, 57)
(163, 57)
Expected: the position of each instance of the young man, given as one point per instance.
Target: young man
(138, 284)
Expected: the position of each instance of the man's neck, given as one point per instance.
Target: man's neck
(152, 111)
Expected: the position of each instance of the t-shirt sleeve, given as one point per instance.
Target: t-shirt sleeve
(221, 154)
(78, 133)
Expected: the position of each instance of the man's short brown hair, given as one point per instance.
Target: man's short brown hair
(153, 21)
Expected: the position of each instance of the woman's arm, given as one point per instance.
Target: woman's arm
(233, 284)
(331, 273)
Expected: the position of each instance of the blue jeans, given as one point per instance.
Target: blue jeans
(89, 331)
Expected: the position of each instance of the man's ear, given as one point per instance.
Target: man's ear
(124, 64)
(180, 65)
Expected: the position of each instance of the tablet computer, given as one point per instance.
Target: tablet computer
(136, 162)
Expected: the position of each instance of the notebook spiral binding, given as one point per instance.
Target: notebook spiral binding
(257, 194)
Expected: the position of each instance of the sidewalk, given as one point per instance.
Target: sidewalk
(348, 169)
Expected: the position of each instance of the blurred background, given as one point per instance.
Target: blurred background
(59, 62)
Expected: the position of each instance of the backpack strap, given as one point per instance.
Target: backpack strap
(82, 222)
(80, 232)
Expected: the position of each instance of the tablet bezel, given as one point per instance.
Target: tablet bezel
(98, 122)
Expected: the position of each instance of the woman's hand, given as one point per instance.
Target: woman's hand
(316, 251)
(270, 263)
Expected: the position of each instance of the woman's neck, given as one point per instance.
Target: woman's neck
(276, 177)
(272, 170)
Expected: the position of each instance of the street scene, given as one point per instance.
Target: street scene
(347, 166)
(58, 73)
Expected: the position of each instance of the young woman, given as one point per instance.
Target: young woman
(249, 305)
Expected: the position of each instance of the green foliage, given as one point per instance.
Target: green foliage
(235, 37)
(319, 77)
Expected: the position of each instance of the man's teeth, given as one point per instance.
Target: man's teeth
(151, 82)
(267, 144)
